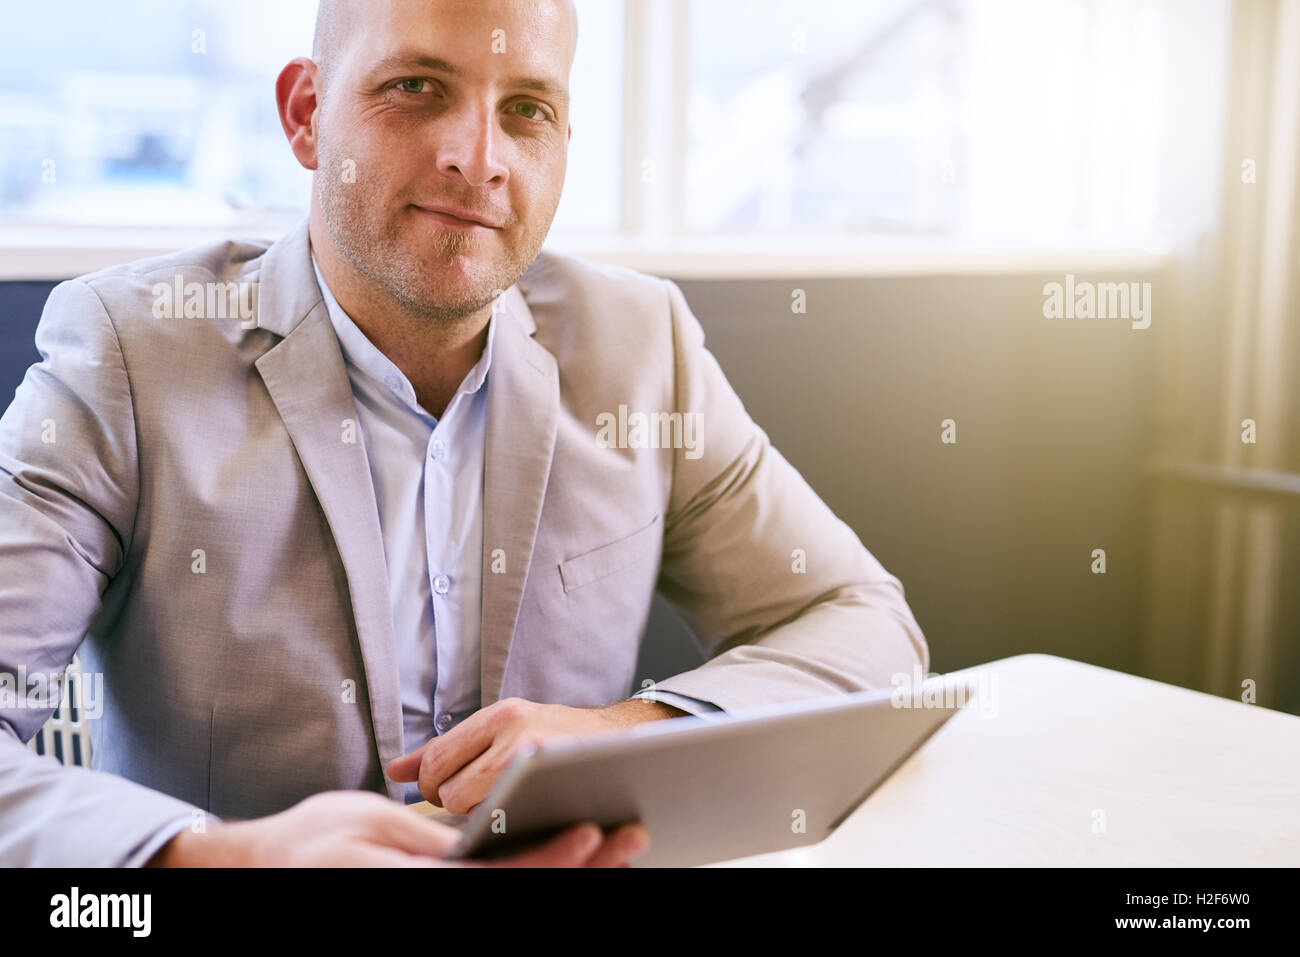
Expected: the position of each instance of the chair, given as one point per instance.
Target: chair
(65, 735)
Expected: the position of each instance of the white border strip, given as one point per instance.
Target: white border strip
(49, 254)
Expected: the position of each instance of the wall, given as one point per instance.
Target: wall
(992, 537)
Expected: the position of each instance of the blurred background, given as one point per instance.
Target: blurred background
(913, 173)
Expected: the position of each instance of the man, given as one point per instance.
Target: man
(410, 518)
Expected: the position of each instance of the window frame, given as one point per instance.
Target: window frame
(650, 233)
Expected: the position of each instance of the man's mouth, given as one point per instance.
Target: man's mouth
(456, 218)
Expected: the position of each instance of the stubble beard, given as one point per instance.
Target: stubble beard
(381, 256)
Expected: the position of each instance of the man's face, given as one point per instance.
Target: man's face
(433, 103)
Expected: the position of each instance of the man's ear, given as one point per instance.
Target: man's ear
(296, 95)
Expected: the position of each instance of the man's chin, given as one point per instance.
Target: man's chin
(459, 275)
(442, 294)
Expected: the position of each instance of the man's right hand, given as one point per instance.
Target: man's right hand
(364, 829)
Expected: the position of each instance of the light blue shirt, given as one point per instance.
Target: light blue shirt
(428, 479)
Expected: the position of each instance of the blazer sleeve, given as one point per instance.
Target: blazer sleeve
(68, 491)
(778, 592)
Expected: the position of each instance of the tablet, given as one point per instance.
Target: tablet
(716, 787)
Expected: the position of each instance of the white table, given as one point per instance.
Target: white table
(1081, 766)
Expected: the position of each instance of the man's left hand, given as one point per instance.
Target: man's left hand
(457, 769)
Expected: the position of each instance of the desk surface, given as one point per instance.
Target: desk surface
(1059, 763)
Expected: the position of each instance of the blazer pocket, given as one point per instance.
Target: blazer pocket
(601, 562)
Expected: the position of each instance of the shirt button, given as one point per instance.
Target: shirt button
(444, 721)
(438, 450)
(442, 584)
(393, 382)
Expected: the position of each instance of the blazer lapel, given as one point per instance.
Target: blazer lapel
(307, 379)
(522, 411)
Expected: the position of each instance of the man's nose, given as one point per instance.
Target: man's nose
(471, 143)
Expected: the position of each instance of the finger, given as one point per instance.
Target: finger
(465, 789)
(621, 846)
(387, 857)
(571, 848)
(448, 753)
(356, 850)
(407, 766)
(399, 829)
(434, 777)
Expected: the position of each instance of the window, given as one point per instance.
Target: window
(1023, 123)
(990, 120)
(162, 113)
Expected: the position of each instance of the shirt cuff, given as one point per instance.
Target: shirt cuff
(693, 705)
(156, 843)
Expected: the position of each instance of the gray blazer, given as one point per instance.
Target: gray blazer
(186, 495)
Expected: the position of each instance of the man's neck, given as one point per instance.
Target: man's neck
(434, 357)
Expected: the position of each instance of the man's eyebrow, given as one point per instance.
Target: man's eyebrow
(399, 62)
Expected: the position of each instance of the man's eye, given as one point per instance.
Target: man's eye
(413, 85)
(537, 112)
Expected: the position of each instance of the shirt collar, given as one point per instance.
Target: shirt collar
(364, 355)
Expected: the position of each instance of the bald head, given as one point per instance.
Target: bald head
(338, 21)
(335, 20)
